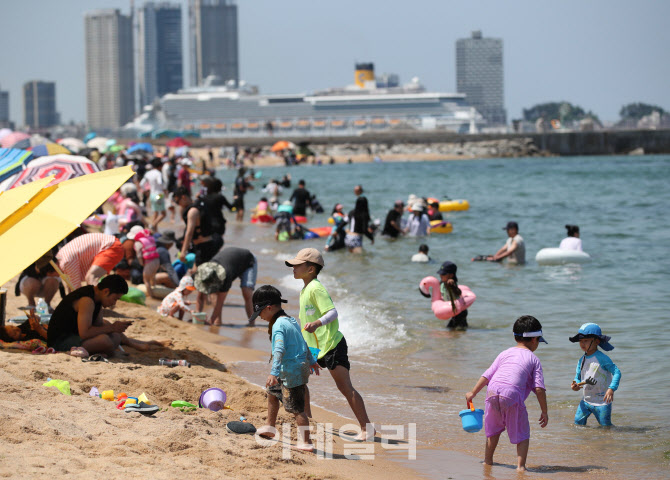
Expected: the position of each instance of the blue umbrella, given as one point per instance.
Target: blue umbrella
(141, 147)
(90, 136)
(12, 161)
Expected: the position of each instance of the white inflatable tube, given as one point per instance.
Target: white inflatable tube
(560, 256)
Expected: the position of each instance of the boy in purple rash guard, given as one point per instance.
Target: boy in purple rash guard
(510, 379)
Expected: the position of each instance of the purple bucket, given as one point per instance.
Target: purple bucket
(213, 398)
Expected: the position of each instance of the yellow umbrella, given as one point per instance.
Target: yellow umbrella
(50, 215)
(12, 200)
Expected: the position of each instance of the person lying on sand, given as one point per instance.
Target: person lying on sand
(77, 320)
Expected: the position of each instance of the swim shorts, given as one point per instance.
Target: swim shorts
(109, 257)
(248, 278)
(158, 202)
(336, 356)
(505, 410)
(293, 398)
(603, 413)
(204, 252)
(353, 241)
(64, 344)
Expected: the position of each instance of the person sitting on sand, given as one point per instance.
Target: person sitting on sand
(77, 320)
(174, 304)
(292, 363)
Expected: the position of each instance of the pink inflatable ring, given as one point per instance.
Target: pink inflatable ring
(430, 287)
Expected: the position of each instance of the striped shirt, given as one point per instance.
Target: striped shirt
(76, 257)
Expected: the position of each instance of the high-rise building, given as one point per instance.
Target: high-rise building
(110, 92)
(479, 74)
(4, 108)
(39, 104)
(213, 37)
(160, 51)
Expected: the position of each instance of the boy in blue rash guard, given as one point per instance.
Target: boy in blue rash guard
(292, 363)
(597, 374)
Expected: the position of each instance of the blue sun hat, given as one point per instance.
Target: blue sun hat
(592, 330)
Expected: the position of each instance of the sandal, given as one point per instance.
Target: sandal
(39, 350)
(95, 358)
(79, 352)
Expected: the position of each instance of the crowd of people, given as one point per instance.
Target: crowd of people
(134, 249)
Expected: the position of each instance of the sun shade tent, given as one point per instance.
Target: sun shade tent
(44, 215)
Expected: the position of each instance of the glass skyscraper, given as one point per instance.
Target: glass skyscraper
(39, 104)
(479, 74)
(110, 92)
(160, 50)
(214, 46)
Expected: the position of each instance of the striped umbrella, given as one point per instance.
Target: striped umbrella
(12, 138)
(63, 167)
(49, 149)
(12, 161)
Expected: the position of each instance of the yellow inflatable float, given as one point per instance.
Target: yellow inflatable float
(451, 205)
(440, 226)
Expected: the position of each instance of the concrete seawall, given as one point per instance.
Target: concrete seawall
(606, 142)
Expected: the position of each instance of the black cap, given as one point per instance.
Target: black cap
(447, 267)
(512, 225)
(264, 296)
(167, 237)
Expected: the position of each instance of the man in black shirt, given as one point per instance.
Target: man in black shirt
(392, 225)
(77, 320)
(301, 199)
(217, 276)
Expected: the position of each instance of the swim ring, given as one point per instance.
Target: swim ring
(560, 256)
(440, 226)
(454, 205)
(444, 310)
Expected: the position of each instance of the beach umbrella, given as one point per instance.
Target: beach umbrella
(181, 151)
(4, 132)
(114, 148)
(72, 144)
(12, 161)
(282, 145)
(178, 142)
(43, 214)
(12, 138)
(49, 149)
(90, 136)
(63, 167)
(32, 141)
(141, 147)
(98, 142)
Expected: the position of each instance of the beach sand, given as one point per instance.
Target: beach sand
(45, 434)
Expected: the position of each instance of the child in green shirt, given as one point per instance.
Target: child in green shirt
(318, 319)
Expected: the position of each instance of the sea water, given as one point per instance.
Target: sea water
(410, 368)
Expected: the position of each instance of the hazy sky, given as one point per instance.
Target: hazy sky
(599, 54)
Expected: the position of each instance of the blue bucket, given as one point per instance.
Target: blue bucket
(472, 420)
(315, 352)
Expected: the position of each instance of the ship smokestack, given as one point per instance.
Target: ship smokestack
(365, 75)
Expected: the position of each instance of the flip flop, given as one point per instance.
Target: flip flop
(266, 431)
(240, 428)
(80, 352)
(39, 350)
(51, 350)
(95, 358)
(308, 448)
(142, 408)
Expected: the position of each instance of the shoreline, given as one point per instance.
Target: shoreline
(84, 433)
